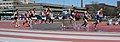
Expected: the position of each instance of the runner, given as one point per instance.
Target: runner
(76, 20)
(33, 15)
(43, 16)
(51, 18)
(99, 17)
(48, 11)
(27, 19)
(85, 19)
(71, 12)
(16, 17)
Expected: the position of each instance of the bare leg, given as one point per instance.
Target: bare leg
(17, 23)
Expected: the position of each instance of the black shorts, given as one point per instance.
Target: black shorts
(48, 17)
(15, 18)
(77, 19)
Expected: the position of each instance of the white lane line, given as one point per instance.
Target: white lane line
(61, 32)
(8, 39)
(62, 36)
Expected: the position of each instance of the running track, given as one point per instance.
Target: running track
(10, 34)
(101, 26)
(13, 35)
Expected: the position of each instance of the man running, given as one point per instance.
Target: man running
(51, 17)
(99, 17)
(34, 15)
(16, 17)
(43, 15)
(85, 19)
(48, 11)
(27, 18)
(76, 19)
(71, 15)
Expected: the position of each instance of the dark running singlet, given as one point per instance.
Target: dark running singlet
(85, 17)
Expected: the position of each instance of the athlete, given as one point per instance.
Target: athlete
(48, 12)
(27, 18)
(99, 17)
(16, 17)
(43, 16)
(86, 17)
(76, 20)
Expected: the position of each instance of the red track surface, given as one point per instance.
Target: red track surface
(9, 25)
(100, 26)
